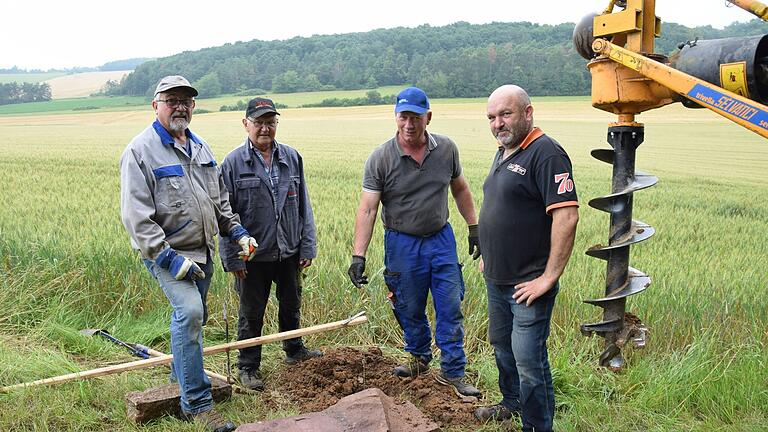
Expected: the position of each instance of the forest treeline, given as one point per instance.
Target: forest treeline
(13, 92)
(458, 60)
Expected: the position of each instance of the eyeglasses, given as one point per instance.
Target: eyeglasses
(260, 124)
(174, 103)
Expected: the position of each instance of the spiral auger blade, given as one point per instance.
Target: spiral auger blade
(622, 281)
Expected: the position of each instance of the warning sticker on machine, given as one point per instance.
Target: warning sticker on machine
(733, 77)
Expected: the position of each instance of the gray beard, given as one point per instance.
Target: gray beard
(515, 137)
(178, 125)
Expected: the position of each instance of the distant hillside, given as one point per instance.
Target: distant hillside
(124, 65)
(458, 60)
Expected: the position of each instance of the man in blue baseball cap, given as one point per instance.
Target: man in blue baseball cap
(410, 175)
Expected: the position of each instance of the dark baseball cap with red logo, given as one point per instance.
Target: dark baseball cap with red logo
(257, 107)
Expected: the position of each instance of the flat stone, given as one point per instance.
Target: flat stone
(370, 410)
(156, 402)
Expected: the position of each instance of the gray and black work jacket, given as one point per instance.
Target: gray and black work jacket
(171, 199)
(282, 229)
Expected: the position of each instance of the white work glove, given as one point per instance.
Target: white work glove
(249, 245)
(179, 266)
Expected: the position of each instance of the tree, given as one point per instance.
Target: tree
(208, 86)
(286, 83)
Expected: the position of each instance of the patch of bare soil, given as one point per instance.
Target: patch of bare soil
(318, 383)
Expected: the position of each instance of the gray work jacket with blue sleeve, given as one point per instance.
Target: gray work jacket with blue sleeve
(282, 230)
(171, 199)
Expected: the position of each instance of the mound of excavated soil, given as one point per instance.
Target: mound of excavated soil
(318, 383)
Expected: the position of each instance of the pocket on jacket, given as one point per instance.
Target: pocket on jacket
(249, 194)
(171, 185)
(293, 191)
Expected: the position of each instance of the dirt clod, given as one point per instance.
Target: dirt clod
(320, 382)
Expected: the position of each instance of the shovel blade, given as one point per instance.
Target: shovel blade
(91, 332)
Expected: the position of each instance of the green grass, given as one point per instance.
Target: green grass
(122, 103)
(74, 104)
(67, 265)
(28, 77)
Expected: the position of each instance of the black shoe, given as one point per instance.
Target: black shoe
(301, 355)
(212, 420)
(496, 412)
(460, 387)
(251, 379)
(415, 367)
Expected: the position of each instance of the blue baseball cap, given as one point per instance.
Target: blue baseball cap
(412, 99)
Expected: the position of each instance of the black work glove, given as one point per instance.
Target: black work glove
(356, 270)
(474, 242)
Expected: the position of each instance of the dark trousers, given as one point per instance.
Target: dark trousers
(254, 294)
(519, 335)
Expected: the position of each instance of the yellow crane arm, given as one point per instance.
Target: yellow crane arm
(755, 7)
(738, 109)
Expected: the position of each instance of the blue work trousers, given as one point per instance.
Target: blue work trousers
(190, 312)
(519, 334)
(414, 266)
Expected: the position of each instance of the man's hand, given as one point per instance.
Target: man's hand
(246, 242)
(529, 291)
(179, 266)
(249, 245)
(474, 242)
(240, 274)
(356, 270)
(305, 262)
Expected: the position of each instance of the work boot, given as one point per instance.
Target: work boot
(302, 354)
(415, 367)
(212, 420)
(496, 412)
(458, 385)
(251, 379)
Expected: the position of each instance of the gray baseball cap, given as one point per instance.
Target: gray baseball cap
(174, 81)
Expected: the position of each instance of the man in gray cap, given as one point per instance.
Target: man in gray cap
(173, 203)
(265, 179)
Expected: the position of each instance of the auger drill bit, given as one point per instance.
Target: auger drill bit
(621, 281)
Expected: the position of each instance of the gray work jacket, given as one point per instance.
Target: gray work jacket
(280, 236)
(168, 198)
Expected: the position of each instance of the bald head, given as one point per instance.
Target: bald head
(512, 94)
(510, 115)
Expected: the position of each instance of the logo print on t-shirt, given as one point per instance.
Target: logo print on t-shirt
(564, 183)
(515, 168)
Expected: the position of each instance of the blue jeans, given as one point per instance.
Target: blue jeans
(414, 266)
(519, 334)
(189, 314)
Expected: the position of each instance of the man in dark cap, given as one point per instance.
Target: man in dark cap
(173, 203)
(265, 179)
(410, 175)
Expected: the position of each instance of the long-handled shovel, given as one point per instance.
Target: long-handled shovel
(136, 349)
(142, 351)
(357, 319)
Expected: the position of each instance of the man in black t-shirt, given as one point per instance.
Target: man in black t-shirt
(527, 227)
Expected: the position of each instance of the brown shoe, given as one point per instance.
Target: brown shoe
(496, 412)
(301, 355)
(212, 420)
(459, 385)
(251, 379)
(415, 367)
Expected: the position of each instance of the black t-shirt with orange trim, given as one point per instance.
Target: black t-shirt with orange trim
(515, 221)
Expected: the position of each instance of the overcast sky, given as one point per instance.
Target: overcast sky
(46, 34)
